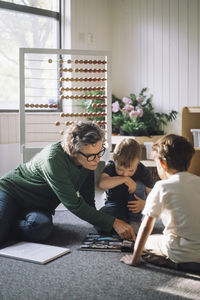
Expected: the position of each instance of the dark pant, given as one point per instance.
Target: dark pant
(163, 261)
(120, 210)
(17, 223)
(153, 253)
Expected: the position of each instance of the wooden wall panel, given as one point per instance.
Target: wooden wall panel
(165, 48)
(40, 127)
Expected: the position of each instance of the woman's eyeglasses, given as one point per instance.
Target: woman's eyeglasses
(91, 157)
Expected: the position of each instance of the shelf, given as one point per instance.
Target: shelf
(194, 109)
(190, 119)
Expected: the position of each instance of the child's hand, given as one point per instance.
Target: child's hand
(128, 260)
(131, 184)
(136, 206)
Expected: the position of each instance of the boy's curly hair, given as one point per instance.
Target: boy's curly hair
(175, 150)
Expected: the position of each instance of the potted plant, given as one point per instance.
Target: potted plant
(136, 116)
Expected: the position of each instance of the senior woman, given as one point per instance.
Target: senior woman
(62, 172)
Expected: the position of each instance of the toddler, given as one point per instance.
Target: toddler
(127, 182)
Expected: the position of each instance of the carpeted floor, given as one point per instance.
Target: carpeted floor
(90, 275)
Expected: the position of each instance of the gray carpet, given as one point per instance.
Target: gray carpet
(90, 275)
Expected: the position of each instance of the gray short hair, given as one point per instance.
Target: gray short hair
(80, 134)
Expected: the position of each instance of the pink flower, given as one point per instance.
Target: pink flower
(139, 99)
(127, 100)
(133, 114)
(136, 113)
(115, 106)
(128, 108)
(140, 112)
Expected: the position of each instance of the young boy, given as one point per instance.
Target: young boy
(127, 182)
(174, 199)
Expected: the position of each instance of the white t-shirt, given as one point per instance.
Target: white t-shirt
(177, 202)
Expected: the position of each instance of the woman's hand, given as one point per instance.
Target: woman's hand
(128, 260)
(136, 206)
(124, 230)
(131, 184)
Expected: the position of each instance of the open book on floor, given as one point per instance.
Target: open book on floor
(33, 252)
(111, 243)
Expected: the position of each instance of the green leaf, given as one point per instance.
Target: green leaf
(133, 97)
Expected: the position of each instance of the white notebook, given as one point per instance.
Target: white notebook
(33, 252)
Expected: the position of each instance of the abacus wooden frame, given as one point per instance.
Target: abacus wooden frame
(26, 151)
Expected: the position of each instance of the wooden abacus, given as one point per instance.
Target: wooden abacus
(69, 61)
(65, 85)
(78, 97)
(81, 89)
(81, 79)
(41, 105)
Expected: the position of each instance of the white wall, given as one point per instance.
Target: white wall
(10, 157)
(91, 24)
(154, 43)
(40, 128)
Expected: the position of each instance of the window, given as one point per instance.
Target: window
(24, 24)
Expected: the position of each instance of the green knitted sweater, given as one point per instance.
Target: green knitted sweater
(51, 178)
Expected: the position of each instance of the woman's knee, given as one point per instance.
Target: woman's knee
(36, 226)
